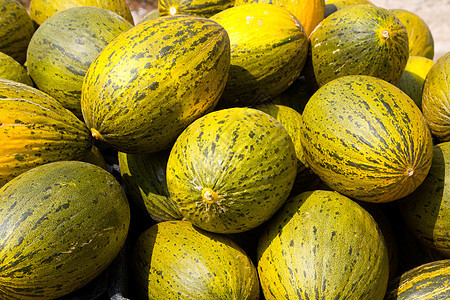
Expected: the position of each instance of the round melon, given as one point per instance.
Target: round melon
(428, 281)
(12, 70)
(420, 39)
(41, 10)
(413, 77)
(63, 223)
(359, 40)
(435, 98)
(144, 176)
(175, 260)
(16, 29)
(268, 51)
(230, 170)
(308, 12)
(64, 46)
(152, 81)
(334, 5)
(366, 139)
(35, 130)
(322, 245)
(202, 8)
(427, 210)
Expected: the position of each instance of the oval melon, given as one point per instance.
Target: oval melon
(230, 170)
(12, 70)
(359, 40)
(322, 245)
(63, 223)
(64, 46)
(366, 139)
(153, 80)
(175, 260)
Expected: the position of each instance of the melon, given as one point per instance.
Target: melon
(13, 70)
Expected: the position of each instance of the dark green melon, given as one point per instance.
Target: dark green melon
(62, 224)
(230, 170)
(359, 40)
(12, 70)
(427, 210)
(153, 80)
(322, 245)
(430, 281)
(202, 8)
(144, 176)
(64, 46)
(175, 260)
(366, 139)
(16, 29)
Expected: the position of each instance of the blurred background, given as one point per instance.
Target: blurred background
(436, 13)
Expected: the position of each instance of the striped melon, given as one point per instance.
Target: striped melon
(322, 245)
(144, 176)
(41, 10)
(230, 170)
(175, 260)
(427, 210)
(366, 139)
(308, 12)
(12, 70)
(62, 223)
(359, 40)
(16, 29)
(153, 80)
(430, 281)
(202, 8)
(63, 47)
(36, 129)
(268, 51)
(435, 98)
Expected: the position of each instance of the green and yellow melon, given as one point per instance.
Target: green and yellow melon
(332, 6)
(152, 81)
(427, 210)
(420, 38)
(12, 70)
(322, 245)
(268, 51)
(359, 40)
(230, 170)
(202, 8)
(366, 139)
(430, 281)
(308, 12)
(64, 46)
(413, 77)
(36, 129)
(16, 29)
(435, 98)
(63, 223)
(176, 260)
(41, 10)
(144, 176)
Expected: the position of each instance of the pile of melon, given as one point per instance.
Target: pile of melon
(222, 150)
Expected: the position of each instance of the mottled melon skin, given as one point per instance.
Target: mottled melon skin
(359, 40)
(268, 51)
(64, 46)
(16, 29)
(175, 260)
(427, 210)
(62, 224)
(366, 139)
(201, 8)
(436, 98)
(230, 170)
(36, 129)
(430, 281)
(322, 245)
(41, 10)
(153, 80)
(12, 70)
